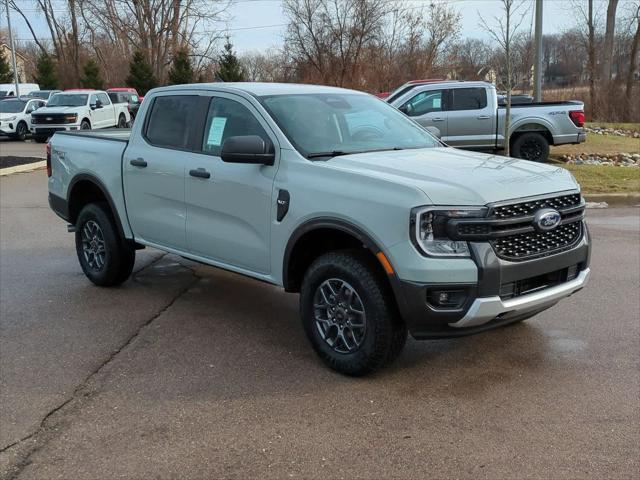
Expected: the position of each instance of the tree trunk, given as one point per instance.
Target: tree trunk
(592, 60)
(609, 36)
(633, 62)
(507, 51)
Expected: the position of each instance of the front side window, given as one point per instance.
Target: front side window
(342, 123)
(469, 99)
(228, 118)
(424, 102)
(172, 122)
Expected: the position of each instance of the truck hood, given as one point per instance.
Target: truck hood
(457, 177)
(55, 110)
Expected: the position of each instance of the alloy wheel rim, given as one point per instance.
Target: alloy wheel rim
(531, 150)
(339, 315)
(93, 247)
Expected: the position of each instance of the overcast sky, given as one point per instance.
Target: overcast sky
(257, 24)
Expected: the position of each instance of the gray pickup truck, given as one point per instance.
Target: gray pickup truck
(331, 193)
(470, 115)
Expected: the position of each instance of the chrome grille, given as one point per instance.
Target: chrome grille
(51, 119)
(537, 244)
(523, 209)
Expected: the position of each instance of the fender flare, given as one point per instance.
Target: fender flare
(81, 177)
(319, 223)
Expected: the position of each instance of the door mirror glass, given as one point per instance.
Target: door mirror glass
(247, 149)
(98, 104)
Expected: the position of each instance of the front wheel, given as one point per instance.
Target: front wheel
(106, 258)
(349, 315)
(41, 139)
(21, 131)
(85, 125)
(531, 146)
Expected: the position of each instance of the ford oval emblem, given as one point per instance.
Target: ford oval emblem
(547, 219)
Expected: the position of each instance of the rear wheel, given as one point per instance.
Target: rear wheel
(349, 315)
(106, 258)
(531, 146)
(122, 122)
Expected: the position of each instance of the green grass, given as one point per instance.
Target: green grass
(606, 178)
(599, 144)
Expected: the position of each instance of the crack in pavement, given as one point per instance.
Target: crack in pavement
(47, 431)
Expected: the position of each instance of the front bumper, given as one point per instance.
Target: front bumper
(487, 304)
(7, 128)
(49, 130)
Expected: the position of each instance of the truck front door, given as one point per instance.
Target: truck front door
(428, 108)
(229, 204)
(154, 169)
(470, 119)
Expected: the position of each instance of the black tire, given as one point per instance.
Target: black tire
(41, 139)
(21, 131)
(531, 146)
(122, 121)
(85, 125)
(384, 333)
(118, 255)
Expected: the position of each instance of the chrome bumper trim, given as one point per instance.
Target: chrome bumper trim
(485, 309)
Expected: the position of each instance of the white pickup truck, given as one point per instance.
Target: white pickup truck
(470, 115)
(78, 110)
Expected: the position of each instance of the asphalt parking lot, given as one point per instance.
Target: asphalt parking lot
(187, 371)
(15, 148)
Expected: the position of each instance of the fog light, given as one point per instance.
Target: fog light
(446, 299)
(572, 272)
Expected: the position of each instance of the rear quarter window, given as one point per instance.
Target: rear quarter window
(469, 98)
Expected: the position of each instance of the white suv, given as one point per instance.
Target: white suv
(15, 115)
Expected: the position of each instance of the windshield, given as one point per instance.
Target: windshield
(68, 100)
(44, 94)
(12, 106)
(337, 124)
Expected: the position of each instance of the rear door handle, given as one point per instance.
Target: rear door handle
(438, 119)
(484, 117)
(138, 162)
(200, 173)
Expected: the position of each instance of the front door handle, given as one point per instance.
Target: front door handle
(200, 173)
(138, 162)
(484, 117)
(437, 119)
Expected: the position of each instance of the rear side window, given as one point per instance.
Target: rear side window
(104, 98)
(228, 118)
(172, 122)
(468, 98)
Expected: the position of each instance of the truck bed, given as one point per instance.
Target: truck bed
(116, 134)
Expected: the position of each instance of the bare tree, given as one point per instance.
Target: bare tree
(609, 35)
(503, 31)
(633, 60)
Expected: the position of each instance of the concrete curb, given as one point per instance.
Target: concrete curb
(27, 167)
(617, 199)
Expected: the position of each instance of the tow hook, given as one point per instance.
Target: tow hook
(71, 228)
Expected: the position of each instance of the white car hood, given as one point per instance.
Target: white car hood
(457, 177)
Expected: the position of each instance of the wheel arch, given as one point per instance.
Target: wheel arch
(86, 188)
(532, 126)
(321, 235)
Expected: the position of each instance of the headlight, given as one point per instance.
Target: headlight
(428, 229)
(10, 119)
(71, 118)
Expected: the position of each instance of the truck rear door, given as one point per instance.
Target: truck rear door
(154, 169)
(471, 118)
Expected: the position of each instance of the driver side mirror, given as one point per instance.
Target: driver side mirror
(404, 109)
(250, 149)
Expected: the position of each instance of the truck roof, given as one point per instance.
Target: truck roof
(259, 88)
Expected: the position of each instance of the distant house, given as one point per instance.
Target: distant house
(20, 59)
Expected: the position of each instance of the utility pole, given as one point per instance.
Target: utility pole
(13, 50)
(537, 71)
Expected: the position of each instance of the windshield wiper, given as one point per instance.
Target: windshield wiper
(334, 153)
